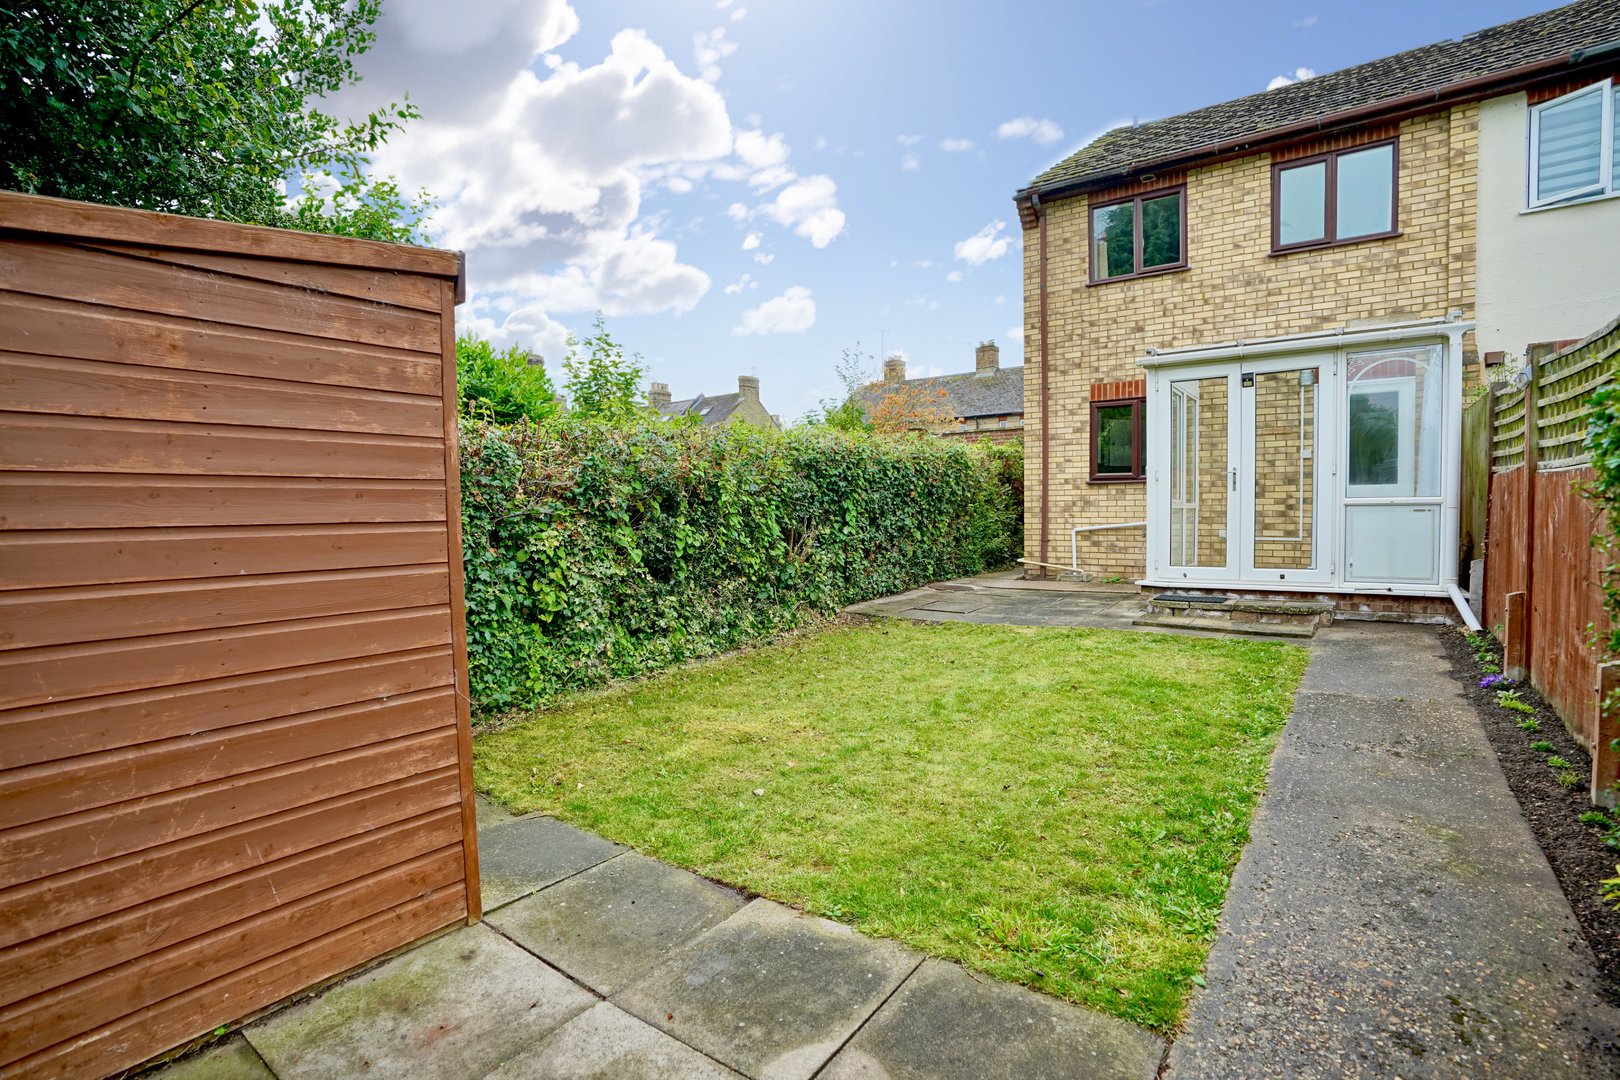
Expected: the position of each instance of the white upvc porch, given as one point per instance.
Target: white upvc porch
(1324, 463)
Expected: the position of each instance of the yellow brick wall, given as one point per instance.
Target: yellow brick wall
(1233, 287)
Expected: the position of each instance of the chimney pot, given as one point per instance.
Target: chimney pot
(748, 387)
(894, 369)
(658, 394)
(987, 357)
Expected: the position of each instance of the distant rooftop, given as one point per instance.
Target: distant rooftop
(991, 390)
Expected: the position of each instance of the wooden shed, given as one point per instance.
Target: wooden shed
(235, 757)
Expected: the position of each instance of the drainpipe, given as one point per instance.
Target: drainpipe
(1046, 414)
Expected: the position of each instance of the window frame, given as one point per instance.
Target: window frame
(1330, 198)
(1605, 89)
(1138, 473)
(1179, 190)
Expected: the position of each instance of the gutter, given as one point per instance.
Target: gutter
(1399, 108)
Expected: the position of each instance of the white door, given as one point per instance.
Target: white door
(1198, 482)
(1285, 470)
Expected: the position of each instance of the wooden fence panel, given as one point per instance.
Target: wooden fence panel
(234, 742)
(1540, 529)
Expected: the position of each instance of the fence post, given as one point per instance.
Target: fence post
(1605, 761)
(1531, 455)
(1514, 622)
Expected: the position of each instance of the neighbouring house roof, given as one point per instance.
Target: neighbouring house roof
(968, 395)
(711, 409)
(1499, 51)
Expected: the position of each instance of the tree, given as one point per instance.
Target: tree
(910, 408)
(603, 383)
(200, 107)
(501, 386)
(846, 413)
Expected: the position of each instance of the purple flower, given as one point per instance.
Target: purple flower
(1495, 682)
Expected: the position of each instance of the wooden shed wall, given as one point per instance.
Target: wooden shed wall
(234, 745)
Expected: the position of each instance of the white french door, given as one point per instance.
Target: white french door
(1247, 485)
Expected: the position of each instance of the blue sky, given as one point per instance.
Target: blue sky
(750, 186)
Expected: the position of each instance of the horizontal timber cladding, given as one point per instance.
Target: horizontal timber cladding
(234, 749)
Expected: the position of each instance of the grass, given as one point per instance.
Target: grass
(1059, 808)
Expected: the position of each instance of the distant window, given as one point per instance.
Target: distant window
(1145, 234)
(1334, 198)
(1117, 440)
(1573, 142)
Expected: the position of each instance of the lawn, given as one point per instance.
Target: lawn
(1060, 808)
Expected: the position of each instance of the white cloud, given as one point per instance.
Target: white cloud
(1307, 22)
(1042, 131)
(821, 142)
(759, 150)
(910, 163)
(737, 212)
(793, 312)
(1016, 333)
(751, 241)
(738, 14)
(909, 140)
(710, 47)
(539, 170)
(808, 206)
(745, 282)
(954, 277)
(764, 258)
(984, 245)
(1300, 74)
(956, 146)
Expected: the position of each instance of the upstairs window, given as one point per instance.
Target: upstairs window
(1145, 234)
(1573, 145)
(1333, 198)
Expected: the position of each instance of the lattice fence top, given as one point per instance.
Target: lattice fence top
(1561, 393)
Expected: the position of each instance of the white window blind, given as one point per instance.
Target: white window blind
(1572, 141)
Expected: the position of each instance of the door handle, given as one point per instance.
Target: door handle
(1233, 472)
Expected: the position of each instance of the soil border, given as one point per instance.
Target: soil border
(1576, 851)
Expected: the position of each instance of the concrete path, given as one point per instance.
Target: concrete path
(1392, 915)
(1003, 598)
(594, 961)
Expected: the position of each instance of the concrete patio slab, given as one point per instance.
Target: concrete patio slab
(615, 922)
(770, 992)
(491, 812)
(525, 855)
(1392, 914)
(456, 1008)
(945, 1024)
(606, 1043)
(233, 1059)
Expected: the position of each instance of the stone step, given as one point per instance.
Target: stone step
(1227, 626)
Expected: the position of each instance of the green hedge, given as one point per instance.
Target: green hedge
(596, 552)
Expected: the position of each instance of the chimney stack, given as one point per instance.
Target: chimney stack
(536, 360)
(658, 395)
(894, 369)
(748, 387)
(987, 358)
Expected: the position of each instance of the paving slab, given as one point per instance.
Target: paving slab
(456, 1007)
(490, 812)
(233, 1059)
(523, 856)
(611, 924)
(770, 992)
(1392, 914)
(946, 1024)
(606, 1043)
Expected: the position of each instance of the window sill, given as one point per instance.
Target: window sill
(1156, 272)
(1117, 480)
(1582, 201)
(1295, 249)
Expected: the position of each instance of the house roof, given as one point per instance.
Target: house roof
(1498, 51)
(711, 409)
(970, 394)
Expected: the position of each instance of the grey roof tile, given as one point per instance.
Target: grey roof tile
(1494, 51)
(998, 393)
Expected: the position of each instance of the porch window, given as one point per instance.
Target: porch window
(1334, 198)
(1145, 234)
(1117, 437)
(1573, 145)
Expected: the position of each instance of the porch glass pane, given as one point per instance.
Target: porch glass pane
(1198, 472)
(1393, 441)
(1285, 469)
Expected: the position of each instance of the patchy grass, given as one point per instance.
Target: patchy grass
(1060, 808)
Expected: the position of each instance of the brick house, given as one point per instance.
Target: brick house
(717, 410)
(1247, 327)
(985, 403)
